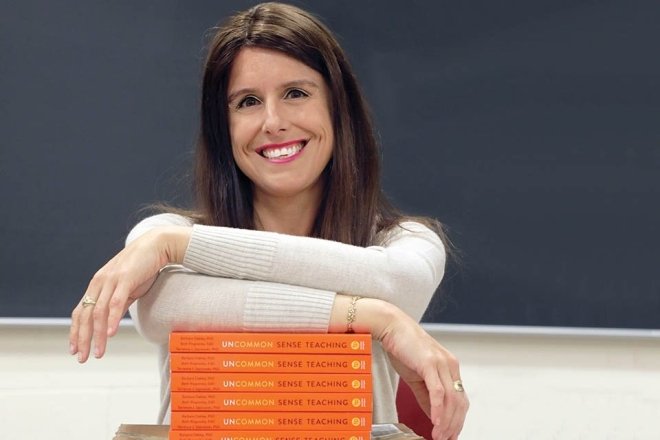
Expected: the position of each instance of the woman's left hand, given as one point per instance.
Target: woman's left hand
(430, 370)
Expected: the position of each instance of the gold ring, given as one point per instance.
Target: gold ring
(458, 386)
(88, 301)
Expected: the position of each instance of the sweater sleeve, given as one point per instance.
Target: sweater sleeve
(405, 270)
(181, 299)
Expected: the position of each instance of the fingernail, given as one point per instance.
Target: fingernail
(110, 329)
(72, 349)
(97, 352)
(80, 357)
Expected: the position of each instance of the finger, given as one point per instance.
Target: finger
(112, 329)
(421, 394)
(457, 406)
(85, 329)
(457, 430)
(438, 434)
(458, 420)
(451, 413)
(119, 304)
(100, 318)
(449, 402)
(73, 330)
(436, 392)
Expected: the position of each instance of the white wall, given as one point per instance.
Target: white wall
(521, 386)
(560, 386)
(45, 394)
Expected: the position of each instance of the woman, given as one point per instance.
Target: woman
(291, 231)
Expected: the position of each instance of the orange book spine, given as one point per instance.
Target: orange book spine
(294, 421)
(269, 435)
(357, 402)
(271, 382)
(217, 342)
(262, 363)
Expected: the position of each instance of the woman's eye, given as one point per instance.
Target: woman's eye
(296, 93)
(248, 101)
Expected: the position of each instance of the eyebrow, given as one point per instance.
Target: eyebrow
(287, 85)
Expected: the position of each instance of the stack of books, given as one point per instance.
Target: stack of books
(287, 386)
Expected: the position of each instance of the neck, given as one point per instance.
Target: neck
(286, 215)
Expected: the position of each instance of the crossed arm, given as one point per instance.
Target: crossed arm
(253, 273)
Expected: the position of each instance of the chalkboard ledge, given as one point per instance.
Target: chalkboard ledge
(511, 330)
(432, 328)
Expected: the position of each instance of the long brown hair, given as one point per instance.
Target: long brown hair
(353, 207)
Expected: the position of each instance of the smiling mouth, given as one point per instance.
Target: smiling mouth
(284, 151)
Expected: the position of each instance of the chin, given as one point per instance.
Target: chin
(287, 189)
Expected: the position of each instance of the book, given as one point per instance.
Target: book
(310, 343)
(160, 432)
(270, 382)
(260, 401)
(261, 363)
(275, 420)
(270, 435)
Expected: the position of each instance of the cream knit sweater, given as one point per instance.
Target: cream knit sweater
(243, 280)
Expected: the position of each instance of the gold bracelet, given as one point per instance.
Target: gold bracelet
(350, 318)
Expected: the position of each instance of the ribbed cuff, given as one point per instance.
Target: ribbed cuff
(231, 252)
(278, 307)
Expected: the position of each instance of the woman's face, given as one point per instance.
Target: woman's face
(279, 122)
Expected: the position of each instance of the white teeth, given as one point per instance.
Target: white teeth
(279, 153)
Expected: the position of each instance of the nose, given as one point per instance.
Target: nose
(274, 119)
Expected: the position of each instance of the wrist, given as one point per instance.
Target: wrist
(374, 316)
(366, 315)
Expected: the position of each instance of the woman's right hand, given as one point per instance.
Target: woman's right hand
(122, 280)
